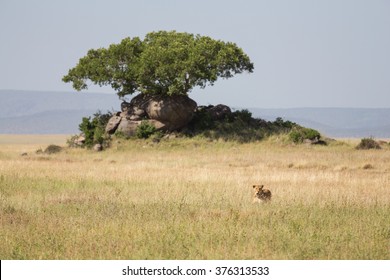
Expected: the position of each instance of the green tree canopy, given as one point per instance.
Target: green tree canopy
(170, 63)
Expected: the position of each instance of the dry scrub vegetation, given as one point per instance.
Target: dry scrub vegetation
(192, 199)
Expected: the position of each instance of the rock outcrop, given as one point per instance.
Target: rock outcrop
(113, 123)
(219, 112)
(167, 113)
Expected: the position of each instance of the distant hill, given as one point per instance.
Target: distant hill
(36, 112)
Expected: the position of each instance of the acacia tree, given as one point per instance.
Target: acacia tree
(168, 63)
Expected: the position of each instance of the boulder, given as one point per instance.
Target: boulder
(125, 107)
(78, 140)
(98, 147)
(136, 108)
(158, 125)
(113, 123)
(219, 112)
(174, 112)
(127, 127)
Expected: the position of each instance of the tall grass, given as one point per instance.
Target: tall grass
(191, 199)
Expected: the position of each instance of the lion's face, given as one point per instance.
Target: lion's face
(257, 189)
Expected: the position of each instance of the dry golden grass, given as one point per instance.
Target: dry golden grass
(192, 199)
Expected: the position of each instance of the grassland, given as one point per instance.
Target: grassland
(191, 199)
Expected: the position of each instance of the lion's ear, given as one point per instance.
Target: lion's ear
(254, 186)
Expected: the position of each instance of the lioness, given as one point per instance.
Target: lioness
(260, 194)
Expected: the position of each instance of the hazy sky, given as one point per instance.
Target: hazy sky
(307, 53)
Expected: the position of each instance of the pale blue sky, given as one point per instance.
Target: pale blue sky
(307, 53)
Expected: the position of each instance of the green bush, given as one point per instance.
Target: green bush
(145, 130)
(120, 135)
(299, 134)
(242, 115)
(237, 126)
(94, 129)
(367, 144)
(201, 121)
(283, 124)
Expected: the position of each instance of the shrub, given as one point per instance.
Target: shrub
(145, 130)
(157, 136)
(88, 128)
(52, 149)
(201, 121)
(237, 126)
(243, 115)
(71, 142)
(94, 129)
(367, 144)
(299, 134)
(284, 124)
(119, 134)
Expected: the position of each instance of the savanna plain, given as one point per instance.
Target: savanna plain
(192, 199)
